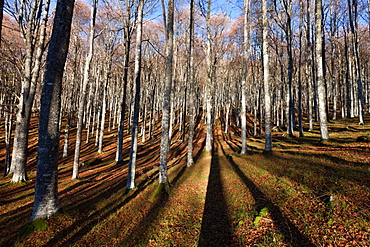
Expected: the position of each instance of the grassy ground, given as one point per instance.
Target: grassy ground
(304, 193)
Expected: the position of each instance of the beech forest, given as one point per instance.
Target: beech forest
(185, 123)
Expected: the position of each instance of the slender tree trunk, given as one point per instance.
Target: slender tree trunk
(104, 107)
(243, 86)
(82, 102)
(135, 121)
(172, 114)
(152, 112)
(8, 138)
(208, 86)
(66, 136)
(300, 110)
(289, 39)
(353, 20)
(320, 71)
(163, 176)
(348, 81)
(1, 16)
(191, 86)
(102, 120)
(46, 201)
(32, 68)
(126, 58)
(143, 124)
(266, 78)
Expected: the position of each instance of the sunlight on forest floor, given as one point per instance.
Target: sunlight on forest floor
(304, 193)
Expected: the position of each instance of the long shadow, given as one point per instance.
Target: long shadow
(14, 196)
(99, 215)
(143, 226)
(216, 229)
(139, 233)
(16, 219)
(199, 153)
(349, 172)
(335, 160)
(290, 232)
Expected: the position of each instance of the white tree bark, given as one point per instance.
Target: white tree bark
(163, 176)
(243, 86)
(82, 102)
(135, 121)
(320, 72)
(32, 67)
(266, 78)
(191, 86)
(208, 86)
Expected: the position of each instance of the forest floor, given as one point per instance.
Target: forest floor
(304, 193)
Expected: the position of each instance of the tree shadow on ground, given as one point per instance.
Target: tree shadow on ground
(306, 164)
(216, 229)
(85, 224)
(291, 233)
(139, 234)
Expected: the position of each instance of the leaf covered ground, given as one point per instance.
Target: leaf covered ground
(304, 193)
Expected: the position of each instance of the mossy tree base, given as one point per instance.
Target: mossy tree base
(162, 187)
(36, 225)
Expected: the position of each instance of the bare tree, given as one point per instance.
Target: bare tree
(320, 71)
(82, 102)
(245, 69)
(266, 78)
(135, 120)
(46, 189)
(191, 85)
(127, 30)
(1, 16)
(353, 21)
(208, 85)
(34, 35)
(165, 140)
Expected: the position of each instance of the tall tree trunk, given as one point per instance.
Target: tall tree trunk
(32, 69)
(266, 78)
(320, 71)
(191, 78)
(300, 110)
(289, 39)
(353, 21)
(105, 92)
(82, 102)
(100, 130)
(243, 86)
(208, 86)
(163, 176)
(8, 138)
(46, 201)
(126, 58)
(135, 120)
(1, 16)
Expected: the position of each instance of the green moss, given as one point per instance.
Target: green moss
(161, 188)
(256, 221)
(36, 225)
(40, 224)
